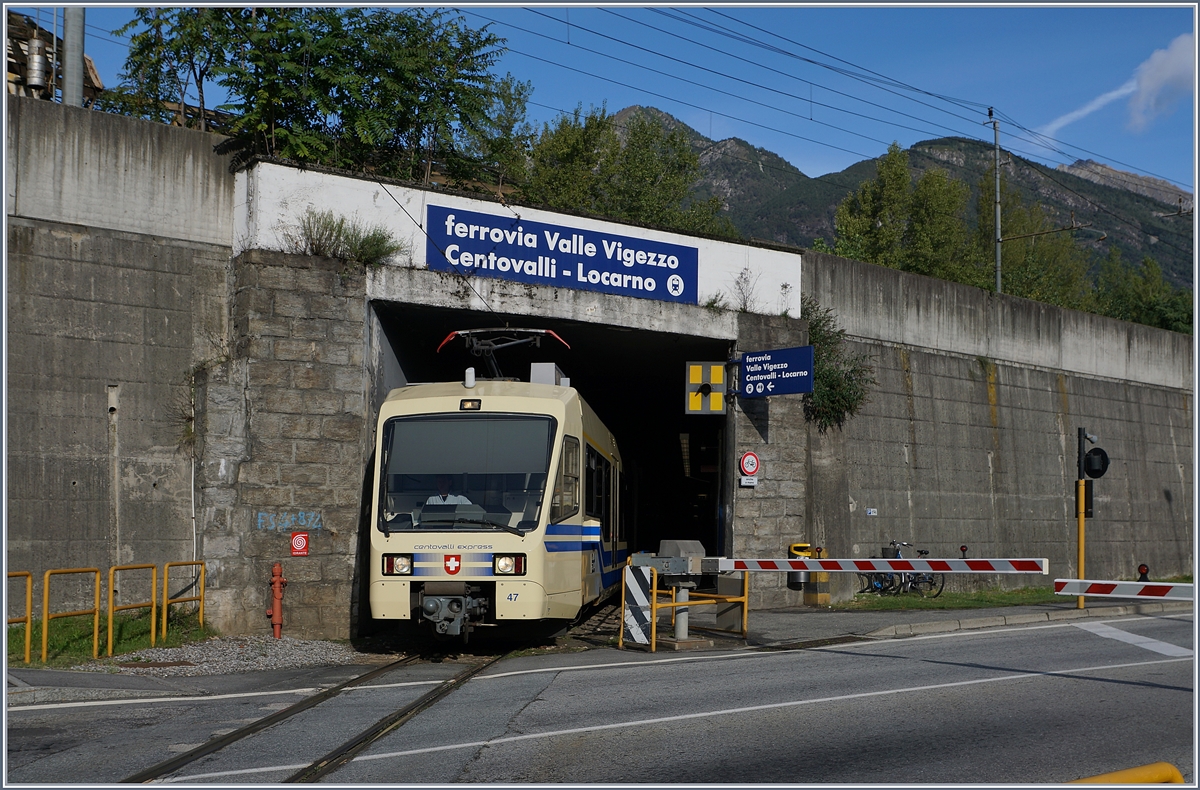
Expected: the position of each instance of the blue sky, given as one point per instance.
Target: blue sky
(1113, 84)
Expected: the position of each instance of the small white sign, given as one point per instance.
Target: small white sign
(749, 481)
(872, 511)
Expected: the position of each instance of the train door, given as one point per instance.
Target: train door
(600, 515)
(567, 528)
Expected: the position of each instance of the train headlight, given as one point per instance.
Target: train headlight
(397, 564)
(508, 565)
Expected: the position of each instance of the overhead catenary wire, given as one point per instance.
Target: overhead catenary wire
(810, 83)
(961, 102)
(1121, 219)
(1125, 221)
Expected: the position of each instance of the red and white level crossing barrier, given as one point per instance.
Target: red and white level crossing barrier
(1110, 589)
(892, 566)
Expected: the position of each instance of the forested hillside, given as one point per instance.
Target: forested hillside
(767, 198)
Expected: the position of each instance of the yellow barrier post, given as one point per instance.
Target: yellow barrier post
(653, 610)
(1154, 773)
(47, 616)
(112, 598)
(28, 618)
(168, 600)
(1080, 512)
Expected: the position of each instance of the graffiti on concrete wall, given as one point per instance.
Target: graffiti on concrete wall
(288, 519)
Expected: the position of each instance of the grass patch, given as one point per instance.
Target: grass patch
(980, 599)
(70, 640)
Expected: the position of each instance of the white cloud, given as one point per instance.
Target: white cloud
(1052, 128)
(1165, 77)
(1161, 80)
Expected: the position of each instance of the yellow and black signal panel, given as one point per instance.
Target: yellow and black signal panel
(706, 386)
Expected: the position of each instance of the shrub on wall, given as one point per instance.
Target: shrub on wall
(328, 235)
(842, 381)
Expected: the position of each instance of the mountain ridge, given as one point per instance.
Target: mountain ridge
(769, 199)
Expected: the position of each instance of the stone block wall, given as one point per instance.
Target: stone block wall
(771, 516)
(286, 445)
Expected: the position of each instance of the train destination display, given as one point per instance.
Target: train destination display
(783, 371)
(525, 251)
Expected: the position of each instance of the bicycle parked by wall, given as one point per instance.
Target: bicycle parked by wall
(927, 585)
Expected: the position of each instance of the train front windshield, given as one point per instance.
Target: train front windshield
(465, 471)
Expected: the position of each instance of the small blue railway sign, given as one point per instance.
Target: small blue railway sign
(782, 371)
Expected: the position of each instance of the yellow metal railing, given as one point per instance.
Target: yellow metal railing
(28, 618)
(1154, 773)
(694, 599)
(47, 615)
(168, 600)
(152, 604)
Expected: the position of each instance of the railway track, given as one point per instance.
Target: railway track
(338, 756)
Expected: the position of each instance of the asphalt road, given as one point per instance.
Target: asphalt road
(1031, 704)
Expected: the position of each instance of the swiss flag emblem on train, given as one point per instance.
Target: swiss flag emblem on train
(452, 562)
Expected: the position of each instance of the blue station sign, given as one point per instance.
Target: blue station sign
(783, 371)
(511, 248)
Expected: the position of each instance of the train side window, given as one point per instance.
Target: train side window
(566, 489)
(598, 494)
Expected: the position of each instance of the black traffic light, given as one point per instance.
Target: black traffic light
(1095, 462)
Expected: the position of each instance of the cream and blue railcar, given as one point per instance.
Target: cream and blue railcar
(497, 503)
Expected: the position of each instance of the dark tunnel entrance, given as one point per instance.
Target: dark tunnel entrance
(634, 379)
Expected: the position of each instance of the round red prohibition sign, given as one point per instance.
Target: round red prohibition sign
(299, 544)
(749, 464)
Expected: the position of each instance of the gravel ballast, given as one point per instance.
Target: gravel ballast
(228, 655)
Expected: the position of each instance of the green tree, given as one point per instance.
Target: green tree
(1036, 261)
(1139, 293)
(173, 57)
(872, 222)
(581, 164)
(274, 78)
(389, 91)
(402, 86)
(500, 143)
(842, 380)
(918, 227)
(937, 242)
(567, 164)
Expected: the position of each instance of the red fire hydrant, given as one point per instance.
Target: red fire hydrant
(275, 611)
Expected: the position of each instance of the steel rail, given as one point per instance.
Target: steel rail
(175, 763)
(353, 747)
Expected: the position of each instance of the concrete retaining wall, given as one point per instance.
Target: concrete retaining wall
(105, 329)
(75, 166)
(970, 436)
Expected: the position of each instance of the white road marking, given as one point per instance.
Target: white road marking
(147, 700)
(1108, 632)
(688, 717)
(615, 664)
(969, 632)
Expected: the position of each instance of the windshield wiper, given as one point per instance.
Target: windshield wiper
(485, 522)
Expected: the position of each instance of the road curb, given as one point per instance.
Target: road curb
(970, 623)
